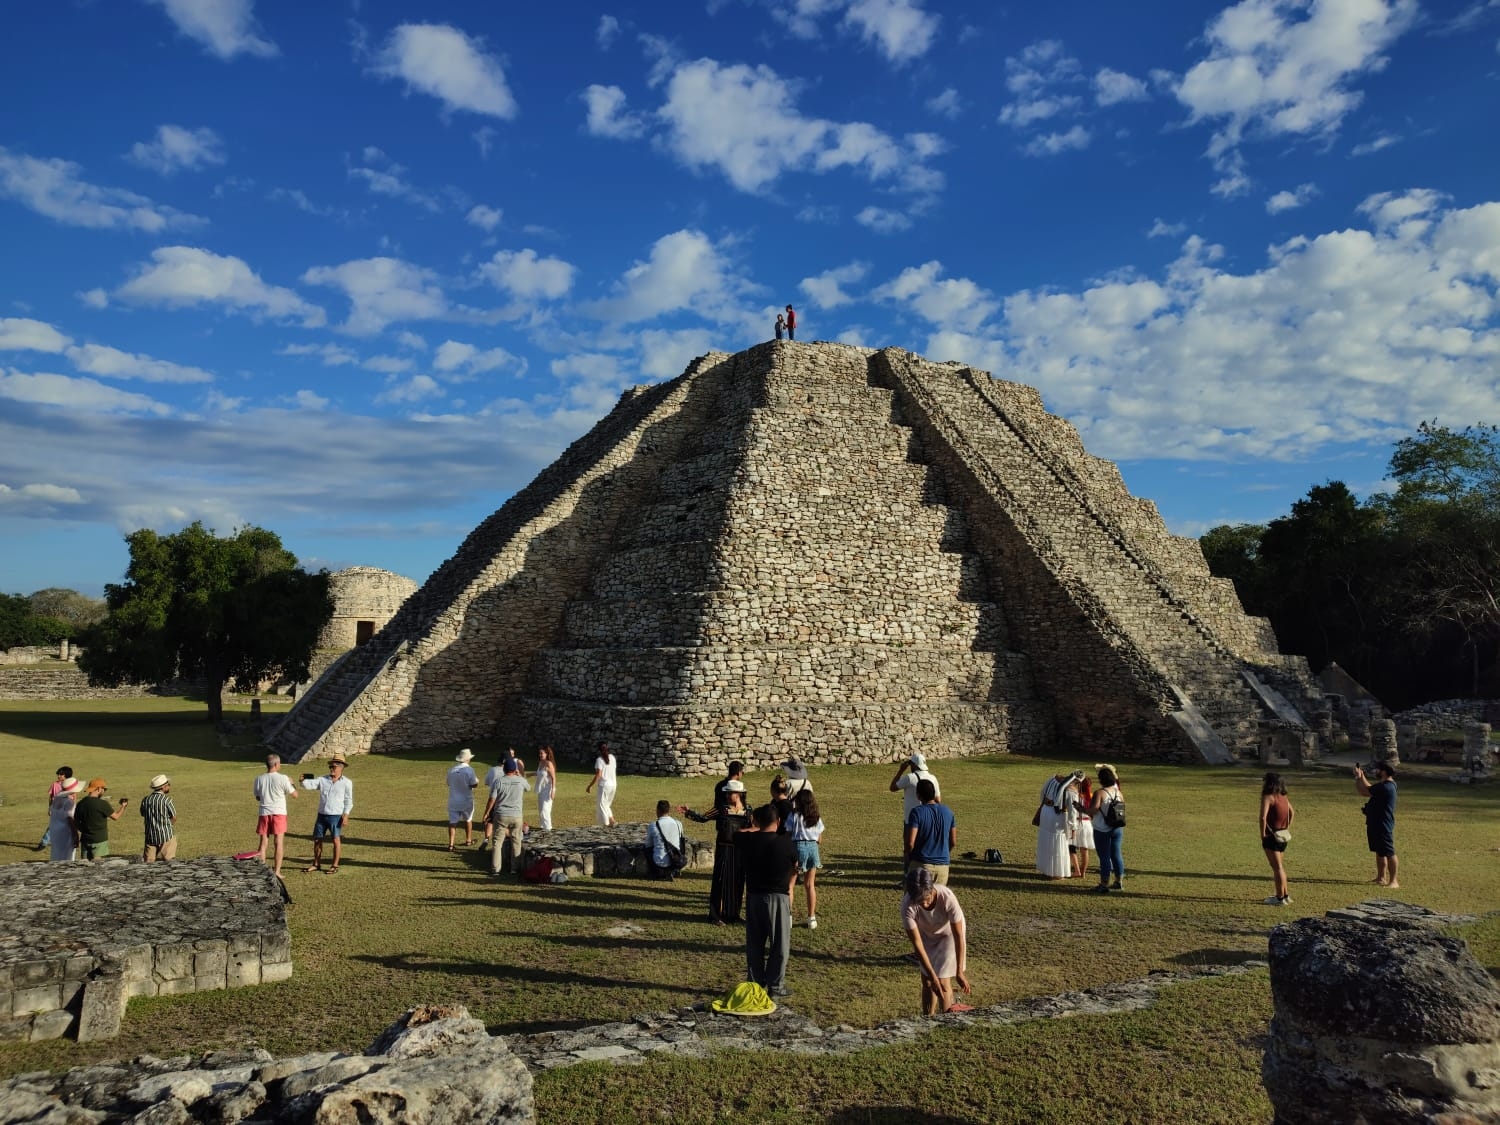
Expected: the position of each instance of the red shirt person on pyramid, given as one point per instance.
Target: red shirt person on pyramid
(791, 323)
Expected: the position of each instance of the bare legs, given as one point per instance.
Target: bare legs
(809, 883)
(1385, 871)
(1278, 872)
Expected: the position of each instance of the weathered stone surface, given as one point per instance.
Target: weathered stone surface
(81, 939)
(596, 850)
(1388, 1023)
(485, 1084)
(822, 550)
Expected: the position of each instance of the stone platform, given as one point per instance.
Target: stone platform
(595, 851)
(77, 940)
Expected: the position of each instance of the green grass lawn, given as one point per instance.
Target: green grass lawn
(407, 923)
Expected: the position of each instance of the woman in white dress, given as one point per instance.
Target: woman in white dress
(546, 786)
(63, 834)
(1082, 841)
(1052, 827)
(604, 778)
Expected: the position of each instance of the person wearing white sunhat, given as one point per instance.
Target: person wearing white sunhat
(462, 781)
(160, 817)
(913, 768)
(62, 833)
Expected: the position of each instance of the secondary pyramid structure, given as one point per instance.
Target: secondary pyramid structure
(840, 553)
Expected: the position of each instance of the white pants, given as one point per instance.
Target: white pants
(544, 812)
(604, 808)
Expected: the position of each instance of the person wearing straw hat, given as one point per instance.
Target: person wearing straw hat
(64, 775)
(335, 803)
(462, 781)
(92, 817)
(160, 815)
(62, 833)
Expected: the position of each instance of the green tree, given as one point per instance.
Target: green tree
(67, 605)
(230, 610)
(20, 624)
(1233, 551)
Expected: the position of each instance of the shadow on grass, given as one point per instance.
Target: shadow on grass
(1195, 957)
(192, 734)
(520, 974)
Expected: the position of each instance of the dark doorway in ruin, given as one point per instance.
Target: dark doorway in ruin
(363, 631)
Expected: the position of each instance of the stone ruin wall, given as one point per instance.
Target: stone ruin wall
(362, 593)
(656, 587)
(78, 940)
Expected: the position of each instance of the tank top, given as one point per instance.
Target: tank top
(1279, 815)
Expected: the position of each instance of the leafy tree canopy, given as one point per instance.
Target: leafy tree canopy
(67, 605)
(232, 610)
(21, 624)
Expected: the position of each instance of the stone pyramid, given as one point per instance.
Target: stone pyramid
(834, 552)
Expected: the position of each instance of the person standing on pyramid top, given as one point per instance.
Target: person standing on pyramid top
(791, 323)
(780, 326)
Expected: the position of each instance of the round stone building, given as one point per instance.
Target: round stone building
(364, 599)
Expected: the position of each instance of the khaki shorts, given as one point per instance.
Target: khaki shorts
(939, 871)
(167, 850)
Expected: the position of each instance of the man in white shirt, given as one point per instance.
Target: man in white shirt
(912, 770)
(272, 788)
(662, 831)
(335, 803)
(462, 781)
(492, 782)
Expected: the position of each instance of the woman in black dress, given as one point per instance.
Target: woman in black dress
(728, 888)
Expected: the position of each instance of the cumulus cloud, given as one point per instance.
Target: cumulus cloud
(1163, 229)
(21, 334)
(458, 359)
(826, 290)
(946, 104)
(52, 188)
(382, 291)
(1286, 68)
(309, 400)
(1368, 330)
(1112, 87)
(685, 270)
(606, 32)
(527, 277)
(177, 149)
(332, 355)
(443, 62)
(45, 389)
(184, 276)
(743, 121)
(949, 303)
(1384, 140)
(483, 217)
(607, 116)
(1299, 196)
(414, 389)
(387, 364)
(900, 30)
(112, 363)
(1039, 80)
(383, 176)
(225, 28)
(882, 220)
(40, 494)
(1050, 144)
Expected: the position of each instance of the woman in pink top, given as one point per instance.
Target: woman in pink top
(935, 923)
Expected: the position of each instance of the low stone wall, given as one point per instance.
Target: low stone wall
(77, 940)
(37, 654)
(434, 1066)
(1449, 714)
(61, 681)
(598, 851)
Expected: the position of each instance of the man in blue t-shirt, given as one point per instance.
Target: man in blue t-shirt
(1380, 819)
(931, 834)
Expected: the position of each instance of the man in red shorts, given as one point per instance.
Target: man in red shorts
(272, 788)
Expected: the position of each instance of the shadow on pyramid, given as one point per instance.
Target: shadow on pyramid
(825, 551)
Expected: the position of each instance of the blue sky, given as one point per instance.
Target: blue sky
(356, 271)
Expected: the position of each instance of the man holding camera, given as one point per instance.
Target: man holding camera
(335, 803)
(1380, 819)
(92, 817)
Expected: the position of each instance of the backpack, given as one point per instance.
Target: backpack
(676, 860)
(1114, 813)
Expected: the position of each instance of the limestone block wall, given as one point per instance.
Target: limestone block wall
(362, 593)
(42, 681)
(443, 667)
(78, 940)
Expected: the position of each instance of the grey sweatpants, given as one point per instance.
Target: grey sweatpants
(768, 920)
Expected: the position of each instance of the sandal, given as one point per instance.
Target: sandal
(334, 870)
(310, 870)
(958, 1008)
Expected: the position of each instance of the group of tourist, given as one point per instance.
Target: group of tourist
(78, 826)
(1073, 818)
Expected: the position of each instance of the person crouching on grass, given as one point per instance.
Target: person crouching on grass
(935, 923)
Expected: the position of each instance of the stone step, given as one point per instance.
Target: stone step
(825, 615)
(801, 674)
(699, 739)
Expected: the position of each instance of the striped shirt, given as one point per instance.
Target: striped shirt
(158, 811)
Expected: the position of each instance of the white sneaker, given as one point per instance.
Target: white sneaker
(1286, 900)
(812, 923)
(1274, 900)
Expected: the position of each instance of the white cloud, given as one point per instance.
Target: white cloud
(685, 271)
(883, 221)
(414, 389)
(382, 290)
(75, 394)
(666, 354)
(606, 116)
(1112, 87)
(1384, 140)
(483, 217)
(1050, 144)
(946, 104)
(309, 400)
(390, 179)
(607, 31)
(484, 137)
(182, 276)
(388, 364)
(411, 340)
(527, 277)
(46, 494)
(442, 61)
(458, 358)
(112, 363)
(1368, 331)
(950, 303)
(591, 381)
(1280, 68)
(225, 27)
(21, 334)
(826, 290)
(52, 188)
(176, 149)
(332, 355)
(94, 298)
(899, 29)
(743, 121)
(1163, 229)
(1039, 79)
(1299, 196)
